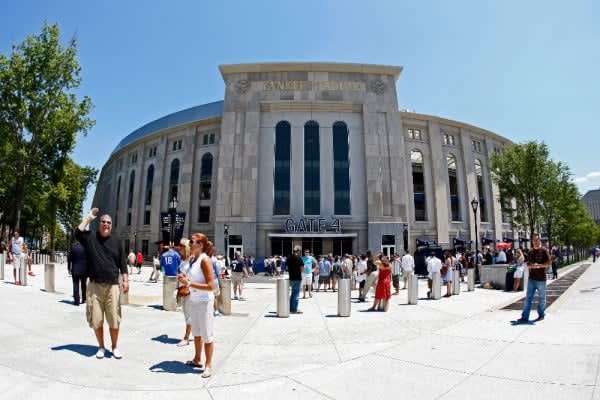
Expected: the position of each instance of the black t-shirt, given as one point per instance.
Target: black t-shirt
(237, 265)
(538, 256)
(295, 265)
(105, 257)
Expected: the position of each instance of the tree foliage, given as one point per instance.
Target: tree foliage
(546, 198)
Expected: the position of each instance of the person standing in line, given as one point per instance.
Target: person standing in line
(139, 260)
(372, 275)
(78, 266)
(408, 266)
(295, 265)
(324, 271)
(202, 284)
(362, 272)
(396, 273)
(239, 271)
(307, 273)
(217, 274)
(184, 269)
(538, 260)
(16, 248)
(169, 261)
(434, 264)
(105, 260)
(447, 272)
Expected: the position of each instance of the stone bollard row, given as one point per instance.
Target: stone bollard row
(455, 282)
(169, 288)
(23, 271)
(225, 296)
(49, 278)
(470, 279)
(413, 289)
(436, 286)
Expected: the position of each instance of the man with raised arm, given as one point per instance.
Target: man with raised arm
(105, 261)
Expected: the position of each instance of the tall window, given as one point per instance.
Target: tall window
(481, 191)
(174, 179)
(131, 184)
(453, 185)
(149, 183)
(281, 176)
(341, 169)
(312, 169)
(416, 158)
(206, 176)
(118, 192)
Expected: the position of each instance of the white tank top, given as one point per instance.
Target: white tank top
(196, 276)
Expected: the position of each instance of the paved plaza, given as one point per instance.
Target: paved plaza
(464, 347)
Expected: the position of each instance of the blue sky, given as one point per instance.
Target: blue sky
(527, 70)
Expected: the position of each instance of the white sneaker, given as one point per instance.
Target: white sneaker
(235, 297)
(117, 353)
(100, 353)
(183, 342)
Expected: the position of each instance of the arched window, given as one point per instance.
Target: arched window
(149, 183)
(174, 179)
(206, 176)
(341, 169)
(118, 193)
(312, 169)
(416, 159)
(481, 191)
(453, 186)
(281, 175)
(131, 184)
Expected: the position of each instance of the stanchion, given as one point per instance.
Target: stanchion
(225, 299)
(470, 279)
(283, 298)
(2, 262)
(344, 298)
(413, 289)
(169, 288)
(49, 278)
(124, 296)
(436, 286)
(455, 282)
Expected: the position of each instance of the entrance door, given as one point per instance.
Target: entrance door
(388, 250)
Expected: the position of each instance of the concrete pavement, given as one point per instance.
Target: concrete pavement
(463, 347)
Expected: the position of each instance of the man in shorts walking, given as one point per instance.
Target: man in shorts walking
(105, 261)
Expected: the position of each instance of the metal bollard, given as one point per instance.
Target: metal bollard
(455, 282)
(169, 288)
(49, 277)
(123, 297)
(283, 298)
(413, 289)
(225, 300)
(2, 262)
(436, 286)
(470, 279)
(344, 298)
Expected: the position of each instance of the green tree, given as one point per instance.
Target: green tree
(40, 115)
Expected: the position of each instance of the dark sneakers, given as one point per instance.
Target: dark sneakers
(540, 318)
(522, 321)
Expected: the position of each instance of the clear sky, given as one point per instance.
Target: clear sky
(526, 70)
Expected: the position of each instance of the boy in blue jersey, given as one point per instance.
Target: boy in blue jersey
(169, 261)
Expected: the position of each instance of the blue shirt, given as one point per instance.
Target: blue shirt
(308, 264)
(170, 261)
(324, 267)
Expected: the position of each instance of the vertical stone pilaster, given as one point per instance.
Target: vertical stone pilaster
(440, 187)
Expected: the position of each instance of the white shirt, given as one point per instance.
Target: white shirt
(501, 257)
(434, 265)
(362, 267)
(197, 276)
(408, 263)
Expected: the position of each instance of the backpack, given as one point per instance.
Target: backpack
(337, 269)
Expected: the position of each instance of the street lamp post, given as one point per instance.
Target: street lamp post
(172, 218)
(226, 237)
(474, 205)
(135, 241)
(405, 236)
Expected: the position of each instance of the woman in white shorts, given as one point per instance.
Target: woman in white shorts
(201, 283)
(520, 270)
(184, 268)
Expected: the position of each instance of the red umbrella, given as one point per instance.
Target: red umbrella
(503, 246)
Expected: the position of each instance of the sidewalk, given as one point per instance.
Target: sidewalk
(463, 347)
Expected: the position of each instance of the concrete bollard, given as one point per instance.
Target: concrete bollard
(283, 298)
(225, 300)
(2, 262)
(470, 279)
(344, 307)
(169, 288)
(436, 286)
(123, 297)
(23, 271)
(49, 278)
(413, 289)
(455, 282)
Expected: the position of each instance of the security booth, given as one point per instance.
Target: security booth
(424, 248)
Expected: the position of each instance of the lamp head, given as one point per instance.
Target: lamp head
(474, 204)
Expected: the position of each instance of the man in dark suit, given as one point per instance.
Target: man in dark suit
(78, 267)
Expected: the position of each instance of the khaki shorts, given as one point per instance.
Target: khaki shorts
(103, 299)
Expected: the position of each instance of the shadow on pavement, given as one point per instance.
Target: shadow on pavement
(83, 349)
(158, 307)
(166, 339)
(69, 302)
(173, 367)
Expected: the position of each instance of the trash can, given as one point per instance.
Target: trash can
(509, 280)
(283, 298)
(344, 298)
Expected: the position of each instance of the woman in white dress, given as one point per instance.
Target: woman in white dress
(201, 283)
(520, 270)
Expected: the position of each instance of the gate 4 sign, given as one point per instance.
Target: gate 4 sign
(313, 225)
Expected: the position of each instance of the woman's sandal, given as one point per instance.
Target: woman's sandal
(194, 364)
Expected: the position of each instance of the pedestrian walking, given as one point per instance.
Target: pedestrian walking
(78, 267)
(16, 249)
(538, 259)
